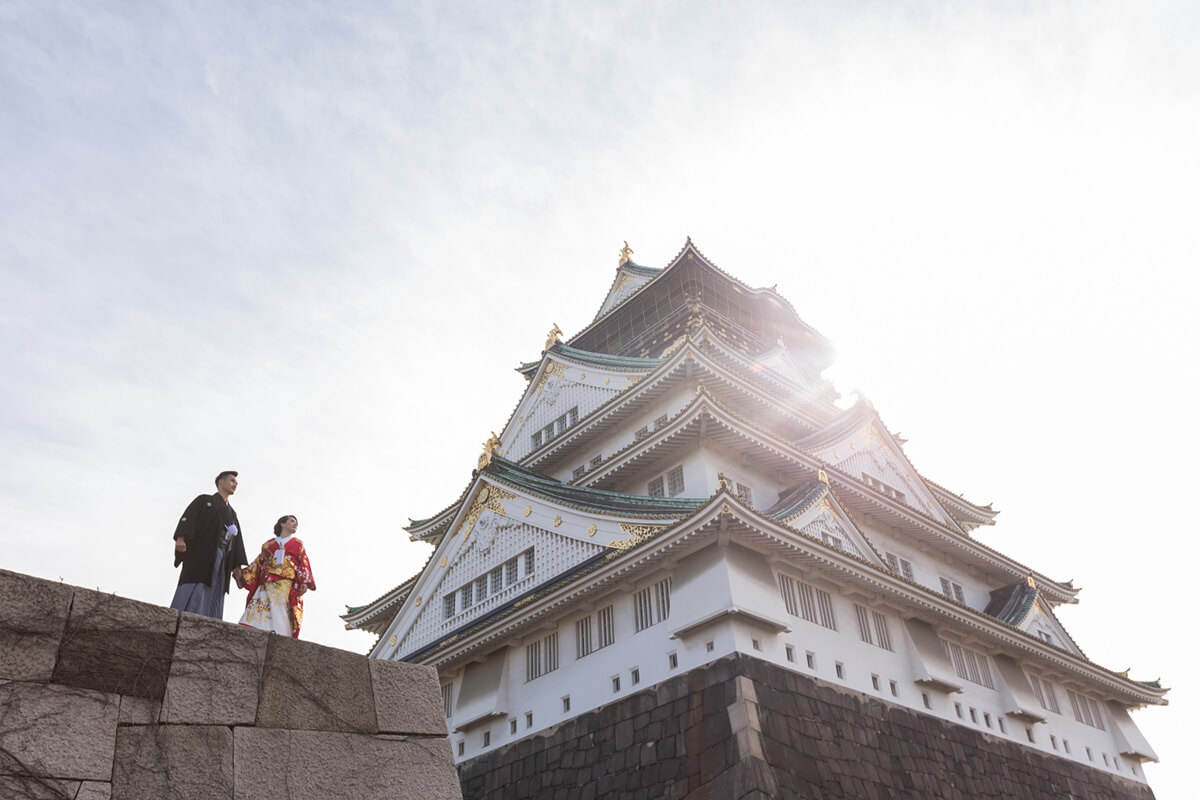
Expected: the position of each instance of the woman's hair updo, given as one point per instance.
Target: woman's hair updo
(279, 522)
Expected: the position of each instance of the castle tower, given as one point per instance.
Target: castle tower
(677, 504)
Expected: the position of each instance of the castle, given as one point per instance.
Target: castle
(676, 492)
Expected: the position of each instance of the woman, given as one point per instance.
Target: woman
(277, 581)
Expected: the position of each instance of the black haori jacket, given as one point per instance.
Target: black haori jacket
(202, 525)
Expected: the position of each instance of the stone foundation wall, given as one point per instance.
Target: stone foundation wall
(103, 697)
(744, 728)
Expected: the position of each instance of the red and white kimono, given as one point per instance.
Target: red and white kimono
(277, 581)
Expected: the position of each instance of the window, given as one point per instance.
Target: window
(877, 635)
(461, 747)
(481, 588)
(528, 719)
(894, 688)
(1105, 758)
(958, 710)
(790, 653)
(987, 719)
(1003, 729)
(840, 669)
(635, 676)
(1029, 735)
(875, 682)
(604, 624)
(510, 571)
(642, 433)
(512, 726)
(487, 738)
(536, 440)
(577, 473)
(882, 487)
(447, 690)
(1044, 690)
(596, 461)
(756, 644)
(953, 590)
(448, 606)
(486, 585)
(583, 637)
(969, 665)
(541, 657)
(655, 488)
(528, 556)
(1089, 754)
(926, 701)
(497, 579)
(901, 566)
(658, 423)
(745, 494)
(974, 715)
(709, 647)
(672, 660)
(652, 605)
(807, 602)
(1067, 746)
(811, 660)
(675, 481)
(567, 703)
(573, 415)
(1085, 710)
(1054, 741)
(616, 683)
(467, 596)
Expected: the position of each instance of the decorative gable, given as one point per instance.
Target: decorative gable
(630, 277)
(869, 453)
(813, 510)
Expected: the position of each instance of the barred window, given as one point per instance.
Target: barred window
(596, 461)
(577, 473)
(497, 579)
(541, 657)
(583, 637)
(969, 665)
(481, 588)
(604, 622)
(467, 596)
(873, 627)
(807, 602)
(536, 440)
(900, 565)
(658, 423)
(655, 489)
(652, 605)
(1044, 690)
(528, 555)
(1086, 710)
(448, 606)
(675, 481)
(745, 494)
(510, 571)
(952, 590)
(447, 689)
(882, 487)
(883, 636)
(641, 433)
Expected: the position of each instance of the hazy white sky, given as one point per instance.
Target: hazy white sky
(310, 242)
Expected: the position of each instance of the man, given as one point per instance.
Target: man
(208, 542)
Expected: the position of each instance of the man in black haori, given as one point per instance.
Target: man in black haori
(208, 542)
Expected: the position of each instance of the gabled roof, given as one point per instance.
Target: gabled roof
(1012, 603)
(628, 273)
(796, 500)
(583, 498)
(588, 359)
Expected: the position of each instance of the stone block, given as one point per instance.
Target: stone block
(309, 764)
(307, 686)
(94, 790)
(138, 711)
(56, 731)
(407, 698)
(31, 788)
(215, 673)
(179, 762)
(33, 616)
(113, 644)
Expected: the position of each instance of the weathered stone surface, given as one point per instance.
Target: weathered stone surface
(33, 615)
(407, 698)
(307, 686)
(138, 711)
(56, 731)
(30, 788)
(215, 673)
(743, 728)
(94, 790)
(310, 764)
(173, 762)
(113, 644)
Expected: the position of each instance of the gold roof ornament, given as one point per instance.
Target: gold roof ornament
(553, 337)
(626, 252)
(1030, 582)
(490, 448)
(822, 477)
(723, 483)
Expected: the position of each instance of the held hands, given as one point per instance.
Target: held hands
(238, 579)
(180, 546)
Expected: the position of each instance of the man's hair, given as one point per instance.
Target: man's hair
(279, 522)
(217, 480)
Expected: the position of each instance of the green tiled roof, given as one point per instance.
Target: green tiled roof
(795, 500)
(1011, 603)
(638, 269)
(598, 360)
(589, 499)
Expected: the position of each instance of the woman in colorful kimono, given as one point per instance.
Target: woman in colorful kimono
(277, 581)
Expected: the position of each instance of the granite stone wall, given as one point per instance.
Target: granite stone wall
(104, 698)
(744, 728)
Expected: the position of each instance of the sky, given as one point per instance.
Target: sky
(310, 242)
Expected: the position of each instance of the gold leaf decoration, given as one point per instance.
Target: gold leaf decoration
(553, 370)
(591, 531)
(528, 510)
(491, 497)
